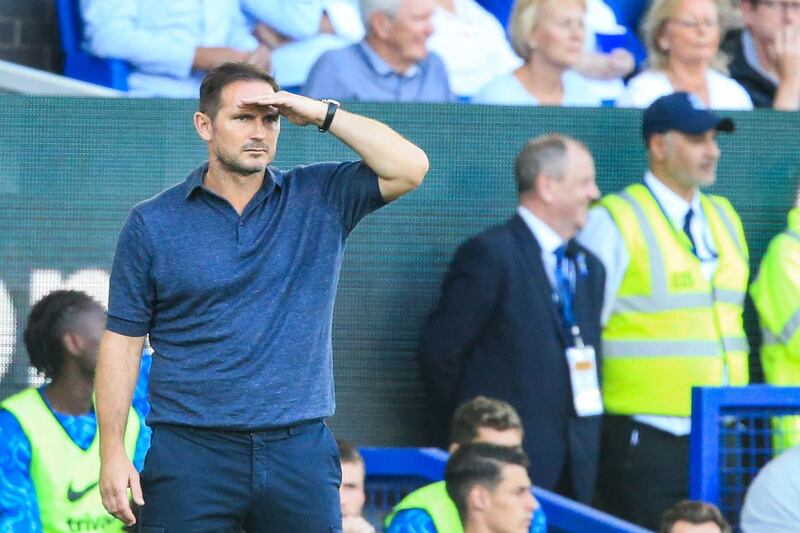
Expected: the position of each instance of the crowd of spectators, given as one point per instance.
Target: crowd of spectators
(528, 52)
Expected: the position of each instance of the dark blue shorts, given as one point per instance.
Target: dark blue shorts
(276, 480)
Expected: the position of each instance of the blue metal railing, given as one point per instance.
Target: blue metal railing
(733, 432)
(393, 472)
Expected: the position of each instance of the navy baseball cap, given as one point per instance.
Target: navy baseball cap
(683, 112)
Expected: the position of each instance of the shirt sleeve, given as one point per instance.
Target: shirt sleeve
(602, 237)
(352, 189)
(112, 29)
(298, 19)
(19, 509)
(412, 521)
(239, 35)
(131, 290)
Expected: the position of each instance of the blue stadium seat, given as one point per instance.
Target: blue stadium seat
(77, 63)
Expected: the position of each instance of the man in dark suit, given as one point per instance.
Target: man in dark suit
(519, 315)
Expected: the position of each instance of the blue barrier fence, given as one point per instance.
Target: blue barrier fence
(735, 431)
(394, 472)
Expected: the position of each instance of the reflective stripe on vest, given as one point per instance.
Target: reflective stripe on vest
(434, 500)
(670, 328)
(65, 477)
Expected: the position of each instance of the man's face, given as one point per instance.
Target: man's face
(574, 193)
(691, 160)
(409, 29)
(681, 526)
(504, 437)
(89, 330)
(510, 506)
(351, 492)
(242, 139)
(765, 17)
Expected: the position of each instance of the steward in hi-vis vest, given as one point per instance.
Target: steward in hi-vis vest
(776, 295)
(670, 328)
(676, 265)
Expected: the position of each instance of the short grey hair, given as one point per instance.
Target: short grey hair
(368, 7)
(544, 154)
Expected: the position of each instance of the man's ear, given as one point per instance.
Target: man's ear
(73, 343)
(658, 146)
(747, 13)
(543, 184)
(204, 126)
(478, 498)
(381, 24)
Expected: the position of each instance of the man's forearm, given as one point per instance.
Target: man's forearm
(400, 164)
(117, 370)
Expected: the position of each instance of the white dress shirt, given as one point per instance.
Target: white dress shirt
(473, 46)
(547, 238)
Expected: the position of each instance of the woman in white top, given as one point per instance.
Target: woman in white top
(682, 38)
(472, 44)
(548, 35)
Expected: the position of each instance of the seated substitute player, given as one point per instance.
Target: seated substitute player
(491, 488)
(430, 509)
(351, 491)
(48, 436)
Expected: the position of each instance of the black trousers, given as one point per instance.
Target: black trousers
(643, 470)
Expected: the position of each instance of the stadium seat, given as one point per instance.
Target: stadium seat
(80, 65)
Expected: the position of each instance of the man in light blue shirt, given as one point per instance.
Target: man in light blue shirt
(170, 44)
(391, 64)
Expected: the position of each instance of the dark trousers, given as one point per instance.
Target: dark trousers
(275, 480)
(643, 471)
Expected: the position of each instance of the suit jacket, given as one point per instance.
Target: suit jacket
(497, 331)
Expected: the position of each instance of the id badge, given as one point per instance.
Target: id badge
(583, 376)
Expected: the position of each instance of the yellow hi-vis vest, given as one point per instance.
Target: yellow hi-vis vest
(670, 328)
(65, 477)
(434, 500)
(776, 295)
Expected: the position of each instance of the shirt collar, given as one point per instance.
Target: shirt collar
(548, 239)
(674, 206)
(751, 56)
(272, 178)
(382, 67)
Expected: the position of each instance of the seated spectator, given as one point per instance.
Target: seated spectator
(682, 38)
(430, 509)
(48, 436)
(391, 64)
(351, 491)
(605, 65)
(694, 517)
(765, 55)
(491, 488)
(299, 32)
(771, 503)
(548, 35)
(472, 44)
(170, 44)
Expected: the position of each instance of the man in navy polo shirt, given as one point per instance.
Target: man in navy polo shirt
(233, 274)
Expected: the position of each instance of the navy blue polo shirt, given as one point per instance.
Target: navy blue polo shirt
(239, 308)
